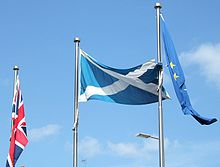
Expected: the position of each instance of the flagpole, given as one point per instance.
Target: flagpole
(76, 103)
(160, 109)
(16, 69)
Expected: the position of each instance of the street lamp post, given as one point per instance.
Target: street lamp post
(143, 135)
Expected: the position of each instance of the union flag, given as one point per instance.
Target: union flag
(18, 139)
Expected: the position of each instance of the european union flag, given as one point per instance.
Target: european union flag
(178, 78)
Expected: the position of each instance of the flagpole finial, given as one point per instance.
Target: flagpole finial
(76, 39)
(16, 68)
(157, 5)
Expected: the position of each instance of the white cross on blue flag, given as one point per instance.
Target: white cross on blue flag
(133, 86)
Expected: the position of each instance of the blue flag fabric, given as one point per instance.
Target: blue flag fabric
(178, 78)
(133, 86)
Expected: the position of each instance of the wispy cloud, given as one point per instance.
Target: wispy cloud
(190, 154)
(144, 151)
(125, 149)
(90, 147)
(194, 154)
(43, 132)
(207, 57)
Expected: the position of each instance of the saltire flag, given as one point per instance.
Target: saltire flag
(18, 139)
(133, 86)
(178, 78)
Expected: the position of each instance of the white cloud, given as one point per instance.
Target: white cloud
(133, 149)
(194, 154)
(190, 154)
(125, 149)
(151, 145)
(207, 56)
(90, 147)
(45, 131)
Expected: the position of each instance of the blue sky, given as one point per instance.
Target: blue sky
(38, 37)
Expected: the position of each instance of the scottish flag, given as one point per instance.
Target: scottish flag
(134, 86)
(178, 79)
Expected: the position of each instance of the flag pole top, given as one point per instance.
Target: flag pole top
(157, 5)
(76, 39)
(16, 68)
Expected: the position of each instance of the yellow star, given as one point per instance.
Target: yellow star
(175, 76)
(172, 65)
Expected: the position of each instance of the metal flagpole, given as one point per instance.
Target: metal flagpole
(16, 68)
(76, 103)
(15, 76)
(160, 109)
